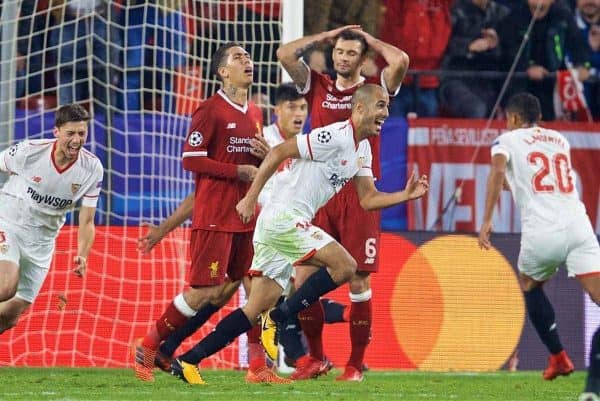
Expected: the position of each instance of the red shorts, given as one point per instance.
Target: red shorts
(217, 256)
(356, 229)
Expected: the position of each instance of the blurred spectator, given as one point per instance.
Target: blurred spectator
(87, 42)
(554, 34)
(155, 47)
(587, 16)
(324, 15)
(473, 46)
(31, 49)
(422, 29)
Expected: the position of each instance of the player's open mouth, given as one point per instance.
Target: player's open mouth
(298, 122)
(248, 71)
(379, 123)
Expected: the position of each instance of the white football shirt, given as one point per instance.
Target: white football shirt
(273, 137)
(540, 175)
(330, 157)
(38, 194)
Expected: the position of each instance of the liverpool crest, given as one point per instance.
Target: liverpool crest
(75, 188)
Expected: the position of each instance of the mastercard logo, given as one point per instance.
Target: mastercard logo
(454, 306)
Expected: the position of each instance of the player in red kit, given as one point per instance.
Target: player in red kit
(329, 102)
(221, 149)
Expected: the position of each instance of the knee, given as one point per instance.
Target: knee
(360, 283)
(221, 298)
(345, 271)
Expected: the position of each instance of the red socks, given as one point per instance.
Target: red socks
(170, 321)
(361, 314)
(256, 354)
(311, 320)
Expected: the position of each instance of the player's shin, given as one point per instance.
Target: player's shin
(318, 284)
(224, 333)
(190, 327)
(175, 316)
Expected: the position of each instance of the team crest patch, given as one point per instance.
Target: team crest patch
(195, 139)
(360, 162)
(13, 150)
(324, 136)
(3, 249)
(317, 235)
(214, 269)
(75, 188)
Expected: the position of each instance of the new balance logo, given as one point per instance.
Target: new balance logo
(231, 126)
(369, 261)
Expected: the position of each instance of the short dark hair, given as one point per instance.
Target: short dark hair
(526, 106)
(219, 58)
(287, 92)
(349, 34)
(70, 113)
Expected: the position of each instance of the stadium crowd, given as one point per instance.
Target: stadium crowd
(460, 50)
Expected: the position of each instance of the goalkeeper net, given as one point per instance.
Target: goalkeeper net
(140, 68)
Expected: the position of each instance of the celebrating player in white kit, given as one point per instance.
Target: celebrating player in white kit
(327, 159)
(555, 227)
(46, 179)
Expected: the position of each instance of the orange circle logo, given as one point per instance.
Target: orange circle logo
(451, 300)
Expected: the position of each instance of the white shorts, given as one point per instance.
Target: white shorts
(544, 250)
(32, 258)
(282, 241)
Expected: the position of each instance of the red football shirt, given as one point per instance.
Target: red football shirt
(221, 131)
(329, 104)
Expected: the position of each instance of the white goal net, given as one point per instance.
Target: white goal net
(141, 68)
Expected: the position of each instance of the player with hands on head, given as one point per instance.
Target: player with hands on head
(330, 101)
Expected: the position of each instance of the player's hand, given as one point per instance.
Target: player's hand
(416, 187)
(152, 237)
(245, 209)
(80, 265)
(479, 45)
(328, 35)
(537, 73)
(491, 36)
(246, 172)
(259, 146)
(484, 235)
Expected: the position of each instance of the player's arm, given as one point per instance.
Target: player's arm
(286, 150)
(289, 54)
(495, 183)
(85, 238)
(156, 233)
(371, 199)
(397, 61)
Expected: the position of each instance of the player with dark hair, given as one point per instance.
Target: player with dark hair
(46, 179)
(223, 148)
(536, 164)
(330, 101)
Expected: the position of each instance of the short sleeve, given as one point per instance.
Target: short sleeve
(500, 147)
(201, 131)
(320, 144)
(365, 159)
(90, 198)
(12, 159)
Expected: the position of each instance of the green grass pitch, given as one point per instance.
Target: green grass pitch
(67, 384)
